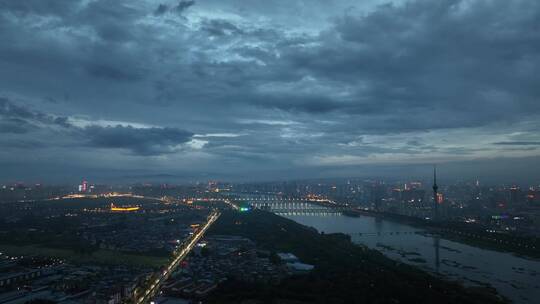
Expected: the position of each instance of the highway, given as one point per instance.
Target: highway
(154, 288)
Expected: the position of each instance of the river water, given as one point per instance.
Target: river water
(515, 277)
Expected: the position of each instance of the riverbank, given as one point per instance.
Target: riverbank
(344, 272)
(466, 233)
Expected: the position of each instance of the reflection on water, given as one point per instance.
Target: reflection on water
(436, 241)
(515, 277)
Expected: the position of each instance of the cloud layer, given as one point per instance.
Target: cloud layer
(280, 86)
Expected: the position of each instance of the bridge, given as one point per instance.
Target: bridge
(384, 233)
(286, 212)
(272, 203)
(296, 207)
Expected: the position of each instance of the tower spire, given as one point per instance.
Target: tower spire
(435, 196)
(434, 176)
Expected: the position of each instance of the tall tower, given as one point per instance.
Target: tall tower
(435, 196)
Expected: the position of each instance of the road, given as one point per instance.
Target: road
(154, 288)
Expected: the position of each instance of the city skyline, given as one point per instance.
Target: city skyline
(236, 90)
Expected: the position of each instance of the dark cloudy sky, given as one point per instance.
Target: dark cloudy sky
(258, 89)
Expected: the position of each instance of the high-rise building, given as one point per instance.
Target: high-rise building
(533, 197)
(415, 185)
(377, 191)
(515, 195)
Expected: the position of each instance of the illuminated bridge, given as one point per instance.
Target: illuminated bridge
(296, 207)
(307, 212)
(384, 233)
(276, 198)
(287, 203)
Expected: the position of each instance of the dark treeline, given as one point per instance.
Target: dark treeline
(344, 272)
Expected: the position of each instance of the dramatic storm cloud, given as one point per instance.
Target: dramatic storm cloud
(267, 89)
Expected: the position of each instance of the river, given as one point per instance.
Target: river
(515, 277)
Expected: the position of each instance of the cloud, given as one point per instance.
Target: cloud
(306, 104)
(14, 125)
(145, 141)
(518, 143)
(112, 72)
(179, 8)
(409, 81)
(215, 27)
(184, 5)
(161, 9)
(42, 7)
(9, 109)
(430, 65)
(19, 119)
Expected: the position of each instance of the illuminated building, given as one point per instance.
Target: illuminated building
(440, 198)
(413, 196)
(533, 197)
(413, 185)
(123, 209)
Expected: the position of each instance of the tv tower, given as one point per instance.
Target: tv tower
(435, 196)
